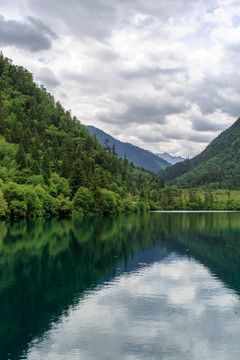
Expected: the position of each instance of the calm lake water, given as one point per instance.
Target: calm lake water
(151, 286)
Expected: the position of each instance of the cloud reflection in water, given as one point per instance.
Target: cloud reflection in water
(174, 309)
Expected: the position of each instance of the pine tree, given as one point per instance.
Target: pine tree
(88, 145)
(77, 176)
(35, 169)
(26, 139)
(2, 122)
(45, 164)
(66, 166)
(21, 157)
(161, 182)
(125, 168)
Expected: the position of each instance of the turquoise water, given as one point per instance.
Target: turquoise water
(151, 286)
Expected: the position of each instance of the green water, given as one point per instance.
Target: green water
(151, 286)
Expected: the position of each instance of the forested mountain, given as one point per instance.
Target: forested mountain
(50, 164)
(140, 157)
(218, 166)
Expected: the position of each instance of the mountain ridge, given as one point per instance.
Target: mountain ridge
(140, 157)
(217, 166)
(170, 158)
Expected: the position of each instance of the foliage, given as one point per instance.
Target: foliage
(218, 166)
(83, 200)
(106, 202)
(3, 206)
(50, 164)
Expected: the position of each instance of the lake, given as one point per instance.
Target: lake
(138, 286)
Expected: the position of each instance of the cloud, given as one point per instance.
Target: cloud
(199, 137)
(148, 72)
(146, 133)
(79, 77)
(144, 110)
(93, 19)
(200, 123)
(47, 77)
(32, 34)
(161, 74)
(136, 315)
(99, 19)
(107, 55)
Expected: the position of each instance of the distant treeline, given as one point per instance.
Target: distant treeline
(174, 198)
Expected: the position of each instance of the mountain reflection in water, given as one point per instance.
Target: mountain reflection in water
(147, 285)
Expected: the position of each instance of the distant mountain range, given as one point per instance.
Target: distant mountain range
(140, 157)
(218, 166)
(169, 158)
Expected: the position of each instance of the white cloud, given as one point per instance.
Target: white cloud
(143, 313)
(124, 65)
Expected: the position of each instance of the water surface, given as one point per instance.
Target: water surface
(152, 286)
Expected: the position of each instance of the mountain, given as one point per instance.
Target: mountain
(140, 157)
(218, 166)
(169, 158)
(51, 165)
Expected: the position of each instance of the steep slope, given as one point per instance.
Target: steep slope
(140, 157)
(217, 166)
(50, 164)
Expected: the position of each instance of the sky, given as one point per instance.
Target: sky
(160, 74)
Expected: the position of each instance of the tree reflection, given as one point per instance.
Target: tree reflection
(47, 264)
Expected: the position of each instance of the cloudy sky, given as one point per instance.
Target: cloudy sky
(161, 74)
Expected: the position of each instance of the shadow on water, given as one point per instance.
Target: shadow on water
(46, 265)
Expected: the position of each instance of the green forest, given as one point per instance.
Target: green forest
(51, 165)
(217, 167)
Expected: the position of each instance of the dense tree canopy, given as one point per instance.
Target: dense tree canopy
(50, 164)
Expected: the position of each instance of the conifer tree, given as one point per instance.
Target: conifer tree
(21, 157)
(45, 164)
(26, 139)
(66, 166)
(35, 169)
(77, 176)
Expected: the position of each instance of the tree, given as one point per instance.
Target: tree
(35, 169)
(21, 157)
(161, 182)
(3, 206)
(63, 205)
(66, 166)
(83, 200)
(106, 143)
(45, 165)
(77, 176)
(107, 202)
(26, 140)
(125, 168)
(88, 145)
(114, 150)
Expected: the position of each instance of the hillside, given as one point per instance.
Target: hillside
(218, 166)
(51, 165)
(140, 157)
